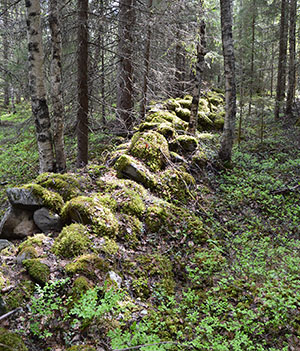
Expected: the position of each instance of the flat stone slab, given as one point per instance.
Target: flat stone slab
(23, 199)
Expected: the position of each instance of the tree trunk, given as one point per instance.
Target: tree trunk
(200, 66)
(292, 59)
(5, 55)
(252, 57)
(179, 66)
(230, 88)
(36, 82)
(281, 73)
(146, 63)
(56, 88)
(82, 83)
(125, 100)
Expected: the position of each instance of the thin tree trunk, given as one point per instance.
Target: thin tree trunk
(5, 55)
(56, 88)
(252, 57)
(272, 70)
(179, 66)
(82, 84)
(230, 87)
(102, 68)
(292, 59)
(200, 66)
(36, 82)
(146, 63)
(125, 99)
(281, 73)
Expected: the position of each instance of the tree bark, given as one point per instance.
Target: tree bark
(230, 87)
(146, 63)
(37, 89)
(82, 84)
(56, 88)
(281, 73)
(200, 66)
(179, 66)
(292, 59)
(5, 55)
(125, 99)
(252, 56)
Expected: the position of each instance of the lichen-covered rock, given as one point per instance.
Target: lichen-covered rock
(177, 185)
(89, 210)
(67, 185)
(38, 271)
(184, 143)
(47, 221)
(72, 241)
(151, 148)
(129, 167)
(11, 341)
(26, 253)
(23, 198)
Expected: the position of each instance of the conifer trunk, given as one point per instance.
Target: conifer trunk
(37, 89)
(292, 59)
(5, 55)
(82, 83)
(200, 66)
(56, 88)
(125, 99)
(281, 73)
(230, 87)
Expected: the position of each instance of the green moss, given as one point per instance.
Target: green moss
(140, 287)
(185, 103)
(81, 348)
(89, 210)
(72, 241)
(2, 281)
(110, 247)
(204, 123)
(128, 167)
(95, 171)
(67, 185)
(172, 104)
(215, 98)
(183, 113)
(176, 184)
(203, 106)
(28, 252)
(19, 295)
(166, 116)
(36, 240)
(87, 265)
(185, 143)
(107, 201)
(167, 219)
(11, 341)
(50, 199)
(131, 230)
(80, 286)
(219, 123)
(37, 270)
(200, 159)
(151, 148)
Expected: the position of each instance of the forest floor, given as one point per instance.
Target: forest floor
(241, 291)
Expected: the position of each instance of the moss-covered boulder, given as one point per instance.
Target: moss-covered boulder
(129, 167)
(38, 271)
(177, 185)
(11, 341)
(184, 143)
(204, 122)
(72, 241)
(90, 266)
(67, 185)
(151, 148)
(183, 113)
(215, 98)
(20, 295)
(90, 210)
(131, 230)
(80, 286)
(163, 116)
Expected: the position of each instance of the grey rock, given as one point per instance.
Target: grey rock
(23, 199)
(17, 224)
(115, 278)
(47, 221)
(4, 243)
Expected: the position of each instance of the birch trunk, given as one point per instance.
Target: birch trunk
(230, 87)
(5, 55)
(281, 73)
(82, 82)
(37, 89)
(200, 66)
(56, 88)
(125, 100)
(292, 59)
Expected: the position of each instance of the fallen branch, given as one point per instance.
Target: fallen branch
(10, 313)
